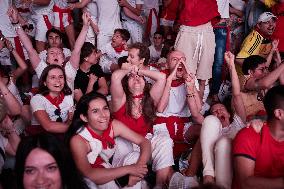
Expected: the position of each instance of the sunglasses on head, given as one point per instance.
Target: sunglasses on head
(58, 113)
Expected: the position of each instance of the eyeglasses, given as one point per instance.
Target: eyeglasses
(58, 113)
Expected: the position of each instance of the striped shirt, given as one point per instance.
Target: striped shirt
(255, 44)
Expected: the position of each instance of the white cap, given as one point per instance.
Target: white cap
(265, 17)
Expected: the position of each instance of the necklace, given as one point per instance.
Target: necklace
(136, 108)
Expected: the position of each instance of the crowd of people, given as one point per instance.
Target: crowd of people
(106, 94)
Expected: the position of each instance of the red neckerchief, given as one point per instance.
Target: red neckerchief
(177, 82)
(138, 96)
(119, 49)
(56, 100)
(263, 35)
(106, 140)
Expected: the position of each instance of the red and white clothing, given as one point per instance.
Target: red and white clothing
(40, 102)
(93, 10)
(108, 20)
(154, 54)
(110, 56)
(43, 18)
(216, 142)
(263, 149)
(8, 31)
(162, 145)
(62, 14)
(169, 14)
(70, 72)
(102, 150)
(151, 11)
(175, 118)
(135, 29)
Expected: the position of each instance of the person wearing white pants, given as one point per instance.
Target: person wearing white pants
(217, 132)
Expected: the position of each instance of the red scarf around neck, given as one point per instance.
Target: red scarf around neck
(55, 100)
(119, 49)
(177, 82)
(106, 140)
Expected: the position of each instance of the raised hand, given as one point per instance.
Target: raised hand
(86, 18)
(275, 43)
(189, 80)
(172, 75)
(13, 14)
(230, 58)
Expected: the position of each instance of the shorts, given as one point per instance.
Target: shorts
(198, 45)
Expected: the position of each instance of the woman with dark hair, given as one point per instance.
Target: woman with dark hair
(52, 107)
(42, 161)
(90, 76)
(91, 138)
(134, 103)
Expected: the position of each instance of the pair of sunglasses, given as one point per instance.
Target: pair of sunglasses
(58, 113)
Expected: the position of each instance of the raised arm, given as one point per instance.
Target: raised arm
(193, 99)
(265, 82)
(75, 55)
(237, 99)
(21, 63)
(79, 5)
(163, 103)
(118, 97)
(37, 2)
(157, 88)
(33, 55)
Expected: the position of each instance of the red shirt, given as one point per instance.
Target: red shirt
(198, 12)
(170, 12)
(262, 148)
(139, 125)
(278, 10)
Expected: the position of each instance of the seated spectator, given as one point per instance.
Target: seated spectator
(54, 54)
(258, 156)
(52, 107)
(54, 39)
(90, 76)
(91, 138)
(156, 47)
(43, 161)
(114, 50)
(255, 81)
(217, 132)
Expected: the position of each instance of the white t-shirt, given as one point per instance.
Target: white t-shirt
(5, 23)
(109, 16)
(70, 72)
(154, 54)
(110, 57)
(61, 3)
(149, 4)
(43, 54)
(133, 3)
(238, 4)
(177, 105)
(39, 102)
(223, 8)
(42, 10)
(233, 128)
